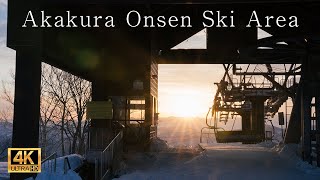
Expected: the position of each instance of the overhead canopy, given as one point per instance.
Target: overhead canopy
(93, 52)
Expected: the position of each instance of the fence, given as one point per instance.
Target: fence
(104, 163)
(50, 163)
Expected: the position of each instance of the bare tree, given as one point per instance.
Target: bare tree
(71, 93)
(80, 94)
(8, 90)
(48, 110)
(62, 109)
(5, 116)
(55, 86)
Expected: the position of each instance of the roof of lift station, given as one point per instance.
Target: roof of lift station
(92, 53)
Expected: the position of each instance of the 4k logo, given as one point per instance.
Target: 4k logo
(24, 160)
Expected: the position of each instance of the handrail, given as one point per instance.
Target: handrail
(53, 165)
(113, 140)
(48, 161)
(103, 164)
(65, 163)
(49, 157)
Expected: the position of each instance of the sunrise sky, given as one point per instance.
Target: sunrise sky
(187, 90)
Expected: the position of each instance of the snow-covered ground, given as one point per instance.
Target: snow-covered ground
(179, 157)
(225, 162)
(4, 171)
(47, 172)
(182, 159)
(181, 132)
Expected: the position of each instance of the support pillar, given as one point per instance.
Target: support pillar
(26, 101)
(317, 106)
(246, 121)
(310, 85)
(258, 116)
(306, 126)
(100, 129)
(293, 133)
(148, 117)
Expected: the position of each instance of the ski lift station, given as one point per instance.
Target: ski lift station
(120, 51)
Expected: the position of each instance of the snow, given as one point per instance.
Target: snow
(290, 151)
(75, 161)
(223, 162)
(4, 171)
(178, 156)
(181, 132)
(182, 159)
(70, 175)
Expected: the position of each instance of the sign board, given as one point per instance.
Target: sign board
(99, 110)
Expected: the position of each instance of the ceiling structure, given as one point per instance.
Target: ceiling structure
(91, 52)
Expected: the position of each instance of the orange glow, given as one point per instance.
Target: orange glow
(186, 106)
(187, 90)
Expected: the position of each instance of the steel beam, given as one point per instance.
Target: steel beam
(276, 84)
(202, 56)
(267, 73)
(293, 133)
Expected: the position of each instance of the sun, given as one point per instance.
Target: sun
(185, 106)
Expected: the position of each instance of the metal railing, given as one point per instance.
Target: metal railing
(66, 165)
(97, 138)
(104, 163)
(50, 163)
